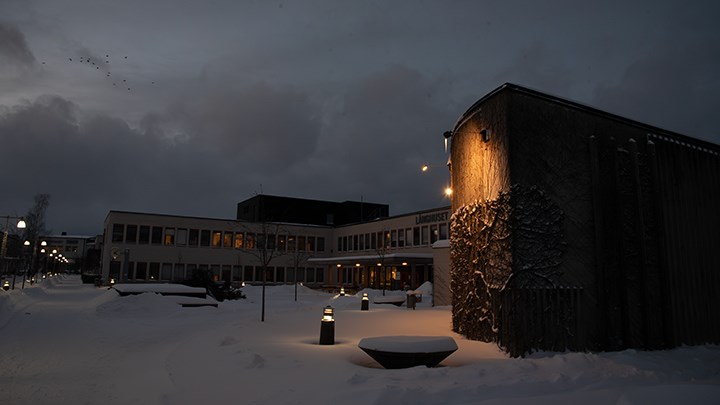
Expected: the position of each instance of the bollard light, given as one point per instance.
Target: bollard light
(365, 303)
(6, 285)
(112, 281)
(328, 313)
(243, 284)
(342, 291)
(327, 327)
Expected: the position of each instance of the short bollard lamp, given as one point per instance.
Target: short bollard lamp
(342, 291)
(365, 303)
(327, 327)
(6, 285)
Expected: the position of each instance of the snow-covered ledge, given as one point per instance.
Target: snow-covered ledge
(408, 351)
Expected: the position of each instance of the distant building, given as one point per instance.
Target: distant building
(578, 229)
(82, 252)
(360, 247)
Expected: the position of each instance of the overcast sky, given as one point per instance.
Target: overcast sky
(188, 107)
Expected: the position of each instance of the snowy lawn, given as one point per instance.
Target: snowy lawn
(63, 342)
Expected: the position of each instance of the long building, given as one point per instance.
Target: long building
(384, 252)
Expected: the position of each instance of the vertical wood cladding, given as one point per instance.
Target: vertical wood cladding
(639, 226)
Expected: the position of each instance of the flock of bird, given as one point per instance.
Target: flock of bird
(103, 65)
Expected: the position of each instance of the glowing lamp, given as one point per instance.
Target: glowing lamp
(342, 291)
(328, 313)
(6, 285)
(327, 327)
(365, 303)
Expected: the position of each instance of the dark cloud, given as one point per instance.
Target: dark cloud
(14, 50)
(673, 85)
(262, 128)
(379, 133)
(319, 99)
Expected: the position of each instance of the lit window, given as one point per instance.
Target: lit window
(216, 238)
(169, 236)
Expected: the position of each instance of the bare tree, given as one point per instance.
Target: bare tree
(35, 218)
(381, 250)
(299, 257)
(264, 248)
(35, 226)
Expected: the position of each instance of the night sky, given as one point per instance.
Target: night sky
(188, 107)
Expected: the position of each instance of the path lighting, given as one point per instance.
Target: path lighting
(365, 303)
(342, 291)
(19, 225)
(327, 327)
(112, 281)
(26, 243)
(6, 285)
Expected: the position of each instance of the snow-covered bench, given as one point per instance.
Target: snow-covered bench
(408, 351)
(160, 288)
(389, 299)
(184, 295)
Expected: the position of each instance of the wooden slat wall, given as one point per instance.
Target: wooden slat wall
(688, 193)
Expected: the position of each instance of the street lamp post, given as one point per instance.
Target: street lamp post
(20, 225)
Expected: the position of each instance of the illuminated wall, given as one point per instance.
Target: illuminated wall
(575, 229)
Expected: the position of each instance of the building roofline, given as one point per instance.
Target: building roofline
(309, 200)
(153, 214)
(475, 108)
(446, 207)
(272, 222)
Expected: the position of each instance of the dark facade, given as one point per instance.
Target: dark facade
(268, 208)
(578, 229)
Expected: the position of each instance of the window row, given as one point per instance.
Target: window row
(167, 236)
(396, 238)
(176, 272)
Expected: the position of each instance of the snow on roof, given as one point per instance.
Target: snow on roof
(442, 243)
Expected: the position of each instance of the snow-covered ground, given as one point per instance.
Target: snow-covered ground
(62, 342)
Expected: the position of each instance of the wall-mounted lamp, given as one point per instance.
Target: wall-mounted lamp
(485, 135)
(447, 135)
